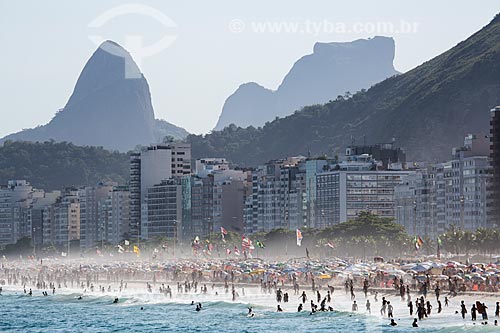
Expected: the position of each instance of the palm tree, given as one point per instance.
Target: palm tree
(482, 236)
(452, 239)
(467, 241)
(428, 246)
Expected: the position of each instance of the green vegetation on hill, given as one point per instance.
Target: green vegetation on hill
(428, 110)
(52, 166)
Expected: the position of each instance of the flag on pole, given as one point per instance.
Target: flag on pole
(223, 231)
(418, 242)
(260, 244)
(120, 249)
(137, 250)
(236, 251)
(439, 243)
(64, 254)
(299, 237)
(127, 243)
(246, 242)
(228, 251)
(330, 245)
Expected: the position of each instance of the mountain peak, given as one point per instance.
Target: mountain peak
(110, 106)
(108, 64)
(331, 70)
(428, 109)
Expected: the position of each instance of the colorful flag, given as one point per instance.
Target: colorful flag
(260, 244)
(439, 248)
(137, 250)
(236, 251)
(228, 251)
(223, 231)
(418, 242)
(299, 237)
(245, 242)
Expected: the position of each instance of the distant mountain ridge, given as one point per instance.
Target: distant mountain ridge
(331, 70)
(428, 110)
(110, 106)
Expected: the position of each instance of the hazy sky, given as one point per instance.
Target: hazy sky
(218, 45)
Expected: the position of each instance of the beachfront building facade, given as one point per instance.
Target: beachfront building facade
(162, 211)
(117, 215)
(494, 188)
(150, 166)
(342, 195)
(92, 214)
(298, 193)
(452, 193)
(275, 194)
(15, 200)
(61, 221)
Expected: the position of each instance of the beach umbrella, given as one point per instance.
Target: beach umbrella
(478, 278)
(420, 268)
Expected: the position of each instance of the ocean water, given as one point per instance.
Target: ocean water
(97, 313)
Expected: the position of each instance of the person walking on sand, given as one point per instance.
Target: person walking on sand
(303, 296)
(463, 310)
(389, 310)
(473, 312)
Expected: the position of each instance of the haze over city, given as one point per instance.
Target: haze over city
(227, 166)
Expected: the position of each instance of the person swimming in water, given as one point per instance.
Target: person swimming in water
(414, 323)
(116, 300)
(393, 323)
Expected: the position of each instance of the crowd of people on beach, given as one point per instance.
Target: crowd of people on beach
(421, 293)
